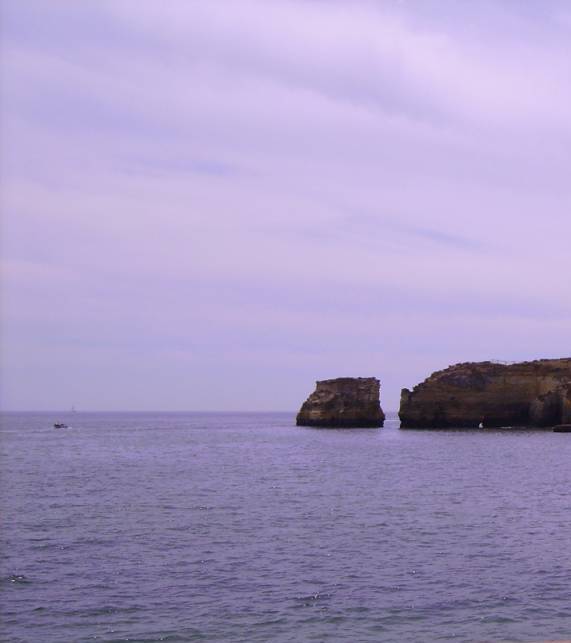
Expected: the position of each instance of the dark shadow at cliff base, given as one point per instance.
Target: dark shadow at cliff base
(329, 425)
(475, 429)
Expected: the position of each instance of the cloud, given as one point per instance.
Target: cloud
(298, 188)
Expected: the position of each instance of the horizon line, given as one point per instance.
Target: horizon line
(76, 412)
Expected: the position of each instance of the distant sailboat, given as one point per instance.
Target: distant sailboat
(63, 425)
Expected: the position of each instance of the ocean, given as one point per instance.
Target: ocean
(243, 527)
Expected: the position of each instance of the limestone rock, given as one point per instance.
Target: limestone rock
(343, 402)
(534, 394)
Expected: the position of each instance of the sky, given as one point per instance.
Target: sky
(211, 205)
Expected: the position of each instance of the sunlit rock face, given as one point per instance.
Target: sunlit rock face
(490, 394)
(343, 402)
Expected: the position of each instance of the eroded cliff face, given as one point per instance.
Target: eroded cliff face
(464, 395)
(343, 402)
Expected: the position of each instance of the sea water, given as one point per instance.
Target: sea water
(244, 527)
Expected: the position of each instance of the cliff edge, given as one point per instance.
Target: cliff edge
(343, 402)
(536, 394)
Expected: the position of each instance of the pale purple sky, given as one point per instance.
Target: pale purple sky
(211, 204)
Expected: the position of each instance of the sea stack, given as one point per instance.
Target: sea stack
(349, 402)
(491, 394)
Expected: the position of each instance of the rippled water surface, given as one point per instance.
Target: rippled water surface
(243, 527)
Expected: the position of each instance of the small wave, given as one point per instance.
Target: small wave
(312, 599)
(17, 579)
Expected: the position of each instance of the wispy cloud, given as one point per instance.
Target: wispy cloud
(437, 236)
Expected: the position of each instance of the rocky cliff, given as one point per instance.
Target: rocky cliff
(526, 394)
(343, 402)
